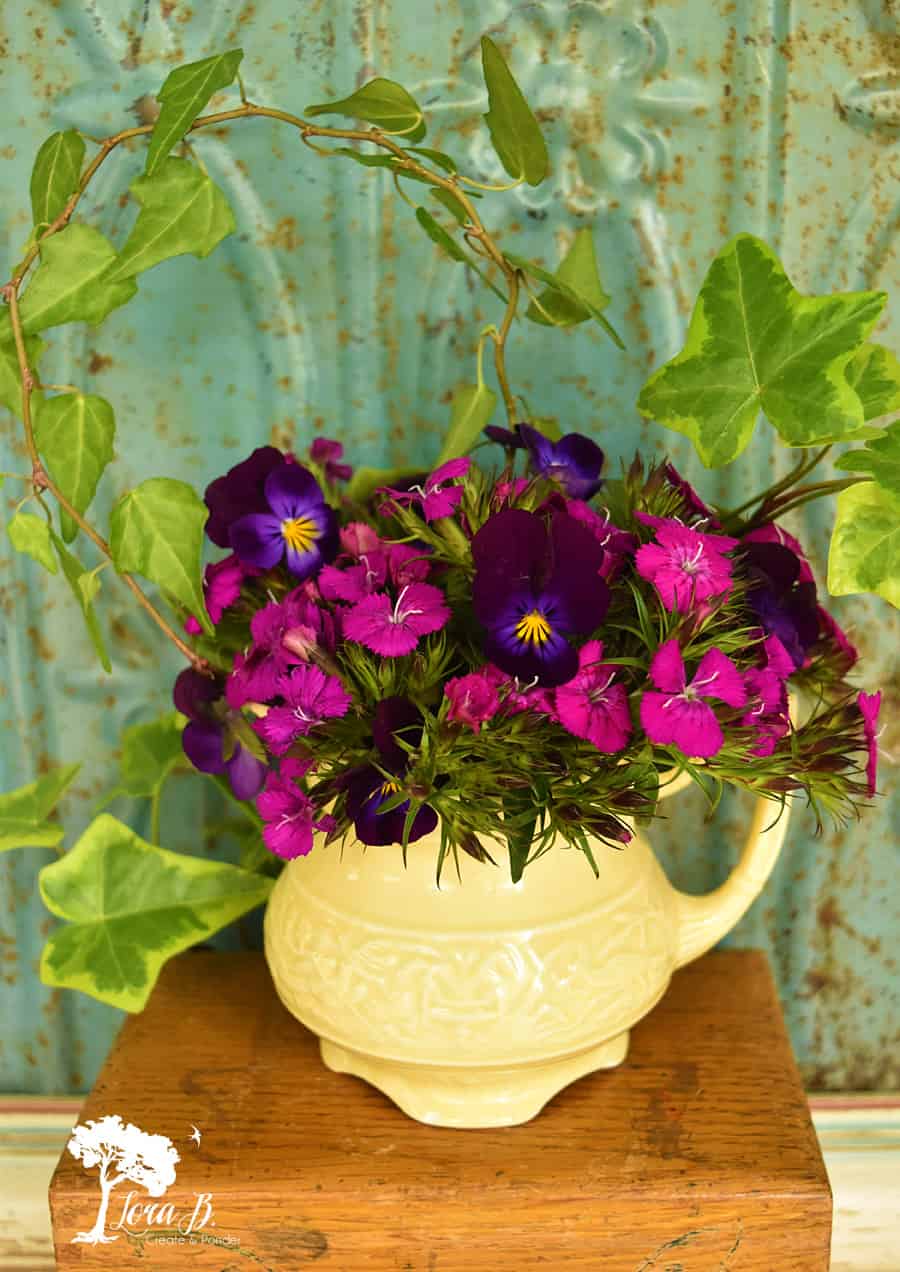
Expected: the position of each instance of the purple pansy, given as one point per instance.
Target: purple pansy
(869, 705)
(680, 715)
(474, 698)
(574, 461)
(368, 788)
(239, 492)
(592, 705)
(685, 565)
(208, 737)
(309, 697)
(393, 627)
(782, 595)
(283, 634)
(618, 545)
(535, 585)
(289, 814)
(775, 534)
(327, 454)
(437, 497)
(297, 527)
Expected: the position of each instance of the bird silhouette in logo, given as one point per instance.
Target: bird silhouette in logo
(195, 1134)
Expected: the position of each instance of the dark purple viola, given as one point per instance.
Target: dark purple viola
(239, 493)
(328, 454)
(536, 584)
(511, 438)
(297, 526)
(574, 461)
(208, 737)
(782, 597)
(368, 788)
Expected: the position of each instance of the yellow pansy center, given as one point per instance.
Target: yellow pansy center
(534, 627)
(389, 788)
(300, 533)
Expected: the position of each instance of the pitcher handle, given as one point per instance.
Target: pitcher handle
(704, 920)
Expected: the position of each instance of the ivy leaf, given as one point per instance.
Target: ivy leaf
(577, 297)
(31, 535)
(24, 812)
(72, 283)
(367, 161)
(74, 434)
(130, 906)
(881, 458)
(874, 373)
(55, 175)
(437, 157)
(380, 102)
(577, 270)
(182, 210)
(515, 132)
(157, 530)
(754, 343)
(85, 585)
(473, 406)
(451, 203)
(439, 235)
(365, 480)
(149, 753)
(185, 93)
(10, 379)
(865, 545)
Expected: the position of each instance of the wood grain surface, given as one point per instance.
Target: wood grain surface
(696, 1155)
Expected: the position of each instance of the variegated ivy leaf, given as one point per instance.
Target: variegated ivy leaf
(881, 458)
(185, 93)
(865, 545)
(85, 585)
(55, 175)
(24, 812)
(74, 433)
(874, 373)
(73, 281)
(473, 406)
(515, 133)
(380, 102)
(182, 210)
(756, 344)
(157, 530)
(129, 906)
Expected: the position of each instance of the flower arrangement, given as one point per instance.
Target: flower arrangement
(517, 642)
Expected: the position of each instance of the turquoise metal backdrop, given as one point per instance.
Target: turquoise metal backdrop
(672, 125)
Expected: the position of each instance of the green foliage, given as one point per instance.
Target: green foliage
(129, 907)
(573, 297)
(10, 379)
(31, 534)
(157, 530)
(865, 545)
(439, 235)
(73, 282)
(55, 175)
(365, 480)
(24, 812)
(380, 102)
(473, 406)
(450, 201)
(881, 458)
(755, 343)
(149, 754)
(85, 584)
(182, 210)
(515, 133)
(437, 157)
(185, 93)
(74, 434)
(874, 374)
(577, 270)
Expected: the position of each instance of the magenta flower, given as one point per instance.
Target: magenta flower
(517, 696)
(357, 538)
(438, 499)
(289, 814)
(767, 697)
(691, 500)
(222, 582)
(591, 705)
(326, 454)
(297, 526)
(680, 715)
(473, 698)
(396, 563)
(618, 545)
(830, 630)
(507, 492)
(684, 565)
(283, 635)
(774, 534)
(869, 705)
(393, 628)
(310, 698)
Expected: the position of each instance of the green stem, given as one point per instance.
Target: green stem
(802, 495)
(764, 496)
(155, 809)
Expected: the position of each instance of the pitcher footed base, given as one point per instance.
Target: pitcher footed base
(473, 1097)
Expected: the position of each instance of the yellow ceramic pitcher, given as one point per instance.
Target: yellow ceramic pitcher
(473, 1003)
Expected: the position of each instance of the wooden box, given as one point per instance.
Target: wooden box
(696, 1155)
